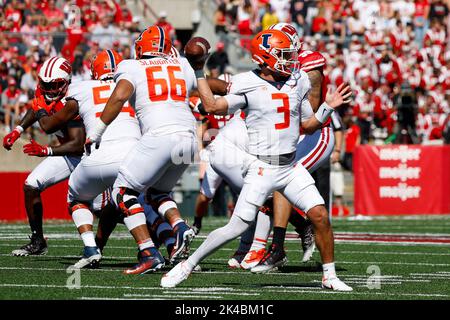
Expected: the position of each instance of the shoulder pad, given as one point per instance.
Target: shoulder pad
(311, 60)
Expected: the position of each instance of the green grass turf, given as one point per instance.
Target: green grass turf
(407, 271)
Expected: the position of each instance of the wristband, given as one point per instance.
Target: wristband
(49, 151)
(19, 129)
(100, 128)
(324, 112)
(200, 74)
(201, 109)
(41, 113)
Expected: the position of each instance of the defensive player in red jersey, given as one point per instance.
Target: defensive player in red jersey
(54, 79)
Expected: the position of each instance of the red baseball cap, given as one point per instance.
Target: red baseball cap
(12, 82)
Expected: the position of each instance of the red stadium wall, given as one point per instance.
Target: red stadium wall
(12, 200)
(402, 179)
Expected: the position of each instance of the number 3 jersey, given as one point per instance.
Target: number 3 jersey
(161, 93)
(92, 96)
(273, 110)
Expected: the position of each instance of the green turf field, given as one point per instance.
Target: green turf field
(412, 255)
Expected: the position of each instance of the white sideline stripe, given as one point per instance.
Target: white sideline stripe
(282, 290)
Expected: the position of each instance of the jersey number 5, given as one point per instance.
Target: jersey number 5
(176, 87)
(283, 109)
(101, 96)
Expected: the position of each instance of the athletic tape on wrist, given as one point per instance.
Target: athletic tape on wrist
(49, 151)
(324, 112)
(19, 128)
(200, 74)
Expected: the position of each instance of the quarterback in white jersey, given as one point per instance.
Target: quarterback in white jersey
(157, 85)
(273, 123)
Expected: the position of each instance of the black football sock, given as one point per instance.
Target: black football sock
(198, 222)
(279, 234)
(298, 221)
(35, 220)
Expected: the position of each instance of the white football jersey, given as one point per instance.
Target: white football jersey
(92, 96)
(273, 110)
(161, 92)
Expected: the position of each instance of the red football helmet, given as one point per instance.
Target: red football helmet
(290, 31)
(153, 41)
(54, 78)
(105, 64)
(275, 49)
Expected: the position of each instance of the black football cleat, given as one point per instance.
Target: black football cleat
(274, 258)
(36, 247)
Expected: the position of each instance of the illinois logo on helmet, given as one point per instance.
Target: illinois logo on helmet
(274, 49)
(153, 41)
(290, 30)
(54, 78)
(105, 64)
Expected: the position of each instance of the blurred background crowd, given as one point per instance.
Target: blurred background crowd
(395, 53)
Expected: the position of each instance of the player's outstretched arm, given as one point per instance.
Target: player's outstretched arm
(333, 100)
(53, 123)
(210, 104)
(26, 122)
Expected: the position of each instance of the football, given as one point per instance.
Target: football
(197, 49)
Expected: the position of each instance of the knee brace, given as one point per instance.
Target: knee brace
(127, 202)
(81, 215)
(160, 201)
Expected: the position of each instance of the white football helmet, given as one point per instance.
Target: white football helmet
(54, 78)
(290, 31)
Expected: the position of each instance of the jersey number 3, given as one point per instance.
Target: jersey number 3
(284, 108)
(176, 87)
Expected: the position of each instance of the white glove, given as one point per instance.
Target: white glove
(95, 137)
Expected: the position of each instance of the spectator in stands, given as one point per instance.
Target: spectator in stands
(421, 14)
(218, 60)
(220, 21)
(352, 140)
(163, 23)
(298, 11)
(104, 32)
(269, 18)
(10, 103)
(355, 25)
(30, 79)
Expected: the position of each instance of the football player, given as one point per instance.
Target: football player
(54, 78)
(272, 97)
(157, 84)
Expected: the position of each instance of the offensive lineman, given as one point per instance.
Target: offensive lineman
(273, 131)
(157, 84)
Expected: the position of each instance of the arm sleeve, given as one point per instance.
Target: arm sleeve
(236, 102)
(123, 72)
(306, 110)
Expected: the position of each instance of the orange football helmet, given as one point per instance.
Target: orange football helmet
(275, 49)
(105, 64)
(153, 41)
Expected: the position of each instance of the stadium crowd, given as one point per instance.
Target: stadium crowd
(393, 52)
(33, 30)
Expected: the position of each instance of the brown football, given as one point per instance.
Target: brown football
(196, 48)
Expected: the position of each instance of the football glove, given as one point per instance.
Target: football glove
(11, 137)
(35, 149)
